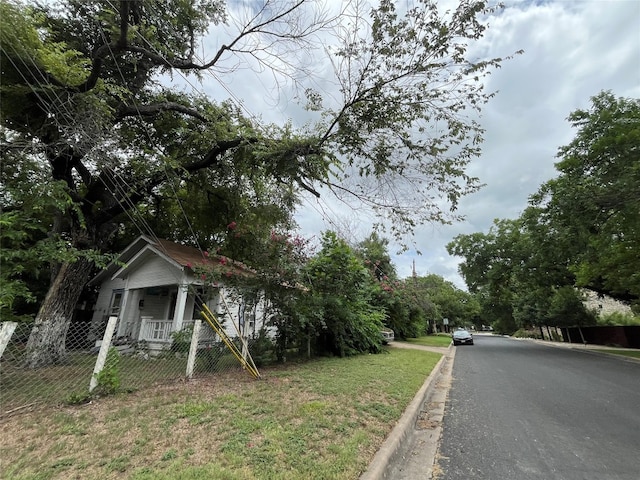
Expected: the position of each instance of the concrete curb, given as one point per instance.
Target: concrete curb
(394, 442)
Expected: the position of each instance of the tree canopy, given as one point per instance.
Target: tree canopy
(594, 202)
(87, 90)
(580, 230)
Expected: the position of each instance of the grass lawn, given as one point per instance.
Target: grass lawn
(323, 419)
(626, 353)
(439, 340)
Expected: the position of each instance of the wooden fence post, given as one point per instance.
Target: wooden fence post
(5, 334)
(104, 349)
(193, 349)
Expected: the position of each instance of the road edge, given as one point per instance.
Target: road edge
(394, 442)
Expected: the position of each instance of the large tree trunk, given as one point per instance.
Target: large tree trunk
(46, 345)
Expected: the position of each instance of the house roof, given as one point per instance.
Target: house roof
(182, 256)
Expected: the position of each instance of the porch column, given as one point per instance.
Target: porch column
(135, 315)
(181, 302)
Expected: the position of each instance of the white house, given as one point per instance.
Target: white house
(156, 287)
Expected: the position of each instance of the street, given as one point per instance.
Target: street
(519, 410)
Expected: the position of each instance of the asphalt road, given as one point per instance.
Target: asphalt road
(518, 410)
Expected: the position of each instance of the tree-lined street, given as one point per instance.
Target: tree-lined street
(521, 410)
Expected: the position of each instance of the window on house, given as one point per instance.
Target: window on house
(247, 317)
(251, 321)
(116, 303)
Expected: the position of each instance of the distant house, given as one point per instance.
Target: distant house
(154, 291)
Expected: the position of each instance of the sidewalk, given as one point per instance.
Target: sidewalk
(404, 435)
(587, 348)
(442, 350)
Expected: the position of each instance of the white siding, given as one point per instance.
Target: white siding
(154, 272)
(262, 316)
(101, 308)
(230, 316)
(188, 309)
(104, 297)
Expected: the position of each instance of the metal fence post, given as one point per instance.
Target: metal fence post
(102, 355)
(193, 349)
(5, 334)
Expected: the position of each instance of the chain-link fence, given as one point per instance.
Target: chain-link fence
(118, 364)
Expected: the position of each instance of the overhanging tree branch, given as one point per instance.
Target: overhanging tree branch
(154, 109)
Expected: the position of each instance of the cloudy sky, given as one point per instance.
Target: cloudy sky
(573, 49)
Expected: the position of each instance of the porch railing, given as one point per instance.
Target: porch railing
(154, 330)
(160, 330)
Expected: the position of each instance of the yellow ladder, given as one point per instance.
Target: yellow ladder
(247, 362)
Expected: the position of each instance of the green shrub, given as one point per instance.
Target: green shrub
(181, 340)
(618, 318)
(78, 398)
(522, 333)
(109, 378)
(262, 349)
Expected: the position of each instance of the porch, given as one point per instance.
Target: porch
(161, 332)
